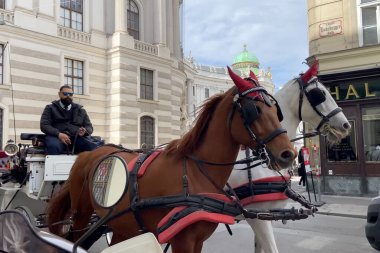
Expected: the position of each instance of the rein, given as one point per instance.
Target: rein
(326, 118)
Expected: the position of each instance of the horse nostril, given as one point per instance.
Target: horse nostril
(287, 155)
(346, 126)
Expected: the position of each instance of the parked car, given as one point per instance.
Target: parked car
(372, 228)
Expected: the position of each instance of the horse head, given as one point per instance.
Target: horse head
(258, 125)
(320, 109)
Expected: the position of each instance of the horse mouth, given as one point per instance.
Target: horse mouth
(278, 165)
(333, 135)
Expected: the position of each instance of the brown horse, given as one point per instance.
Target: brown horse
(206, 153)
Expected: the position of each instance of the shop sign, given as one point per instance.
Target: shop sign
(356, 90)
(330, 28)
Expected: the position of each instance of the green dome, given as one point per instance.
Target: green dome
(246, 57)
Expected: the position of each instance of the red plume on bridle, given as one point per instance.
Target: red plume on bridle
(312, 71)
(242, 84)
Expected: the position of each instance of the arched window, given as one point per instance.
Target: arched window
(147, 131)
(133, 19)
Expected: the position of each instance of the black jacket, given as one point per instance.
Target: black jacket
(53, 120)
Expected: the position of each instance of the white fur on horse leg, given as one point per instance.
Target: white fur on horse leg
(264, 236)
(258, 248)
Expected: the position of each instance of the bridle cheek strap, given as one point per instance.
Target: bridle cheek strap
(326, 118)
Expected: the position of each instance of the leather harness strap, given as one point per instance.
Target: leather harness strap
(133, 192)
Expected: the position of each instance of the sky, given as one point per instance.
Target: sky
(214, 31)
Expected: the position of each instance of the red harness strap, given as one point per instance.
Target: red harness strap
(145, 165)
(199, 215)
(267, 196)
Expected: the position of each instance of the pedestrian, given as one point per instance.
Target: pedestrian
(301, 168)
(66, 125)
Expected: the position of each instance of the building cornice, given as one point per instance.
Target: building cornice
(50, 40)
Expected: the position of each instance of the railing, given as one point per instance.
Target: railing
(73, 34)
(146, 48)
(7, 16)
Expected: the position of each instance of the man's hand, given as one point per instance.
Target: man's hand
(64, 138)
(82, 131)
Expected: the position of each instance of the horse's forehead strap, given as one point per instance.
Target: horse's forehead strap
(303, 85)
(254, 89)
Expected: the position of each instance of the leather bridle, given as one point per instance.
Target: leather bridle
(325, 118)
(260, 149)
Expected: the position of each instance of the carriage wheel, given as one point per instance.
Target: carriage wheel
(109, 237)
(28, 214)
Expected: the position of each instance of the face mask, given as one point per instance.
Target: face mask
(66, 101)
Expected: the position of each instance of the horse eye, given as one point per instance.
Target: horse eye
(259, 110)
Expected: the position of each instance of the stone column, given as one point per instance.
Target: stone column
(159, 22)
(120, 17)
(176, 29)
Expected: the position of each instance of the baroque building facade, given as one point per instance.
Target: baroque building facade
(344, 35)
(205, 81)
(123, 59)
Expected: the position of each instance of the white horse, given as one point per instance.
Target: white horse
(306, 99)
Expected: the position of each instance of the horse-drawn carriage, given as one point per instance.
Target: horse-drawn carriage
(177, 192)
(32, 177)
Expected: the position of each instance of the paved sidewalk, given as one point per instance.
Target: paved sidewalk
(345, 206)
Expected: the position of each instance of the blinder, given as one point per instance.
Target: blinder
(250, 112)
(315, 96)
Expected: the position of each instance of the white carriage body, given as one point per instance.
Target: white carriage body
(46, 173)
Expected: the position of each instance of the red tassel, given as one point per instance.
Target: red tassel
(311, 72)
(242, 84)
(253, 76)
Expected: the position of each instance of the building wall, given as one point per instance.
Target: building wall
(335, 34)
(34, 63)
(349, 65)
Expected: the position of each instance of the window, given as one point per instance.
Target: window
(71, 14)
(133, 19)
(345, 151)
(370, 21)
(2, 64)
(193, 91)
(147, 131)
(2, 4)
(207, 93)
(371, 133)
(194, 111)
(74, 75)
(146, 84)
(1, 128)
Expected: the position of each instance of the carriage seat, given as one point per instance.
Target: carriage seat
(31, 137)
(38, 142)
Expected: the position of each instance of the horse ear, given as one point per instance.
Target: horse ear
(312, 71)
(253, 76)
(240, 83)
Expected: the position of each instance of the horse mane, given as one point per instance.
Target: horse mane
(192, 139)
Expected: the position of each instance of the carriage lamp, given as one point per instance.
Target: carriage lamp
(10, 148)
